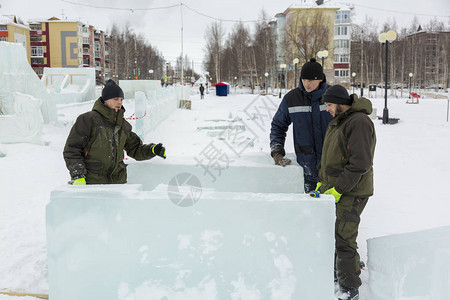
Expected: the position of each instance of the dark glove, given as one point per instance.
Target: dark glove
(280, 160)
(278, 153)
(159, 150)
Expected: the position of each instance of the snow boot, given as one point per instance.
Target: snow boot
(348, 294)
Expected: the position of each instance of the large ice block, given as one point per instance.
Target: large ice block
(410, 266)
(117, 242)
(259, 178)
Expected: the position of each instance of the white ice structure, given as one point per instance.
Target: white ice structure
(25, 125)
(130, 87)
(152, 106)
(16, 75)
(128, 242)
(69, 85)
(413, 265)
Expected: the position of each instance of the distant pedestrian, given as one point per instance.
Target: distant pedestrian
(304, 109)
(94, 148)
(346, 173)
(202, 90)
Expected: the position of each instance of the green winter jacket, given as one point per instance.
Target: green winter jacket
(348, 151)
(94, 147)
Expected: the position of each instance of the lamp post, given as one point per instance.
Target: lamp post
(295, 61)
(265, 81)
(353, 80)
(322, 54)
(410, 77)
(386, 38)
(282, 67)
(150, 72)
(207, 80)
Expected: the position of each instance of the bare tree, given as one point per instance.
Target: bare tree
(214, 45)
(306, 34)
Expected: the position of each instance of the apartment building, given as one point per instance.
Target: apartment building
(14, 31)
(304, 24)
(66, 43)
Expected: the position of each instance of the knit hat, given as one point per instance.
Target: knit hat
(312, 70)
(111, 90)
(337, 94)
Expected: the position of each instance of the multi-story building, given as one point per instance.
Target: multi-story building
(427, 58)
(68, 44)
(306, 23)
(15, 32)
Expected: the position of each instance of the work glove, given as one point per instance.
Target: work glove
(278, 154)
(78, 181)
(159, 150)
(334, 193)
(316, 192)
(280, 160)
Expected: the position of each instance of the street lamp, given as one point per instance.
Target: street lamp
(282, 67)
(410, 77)
(295, 61)
(386, 38)
(322, 54)
(235, 78)
(353, 79)
(265, 81)
(207, 80)
(150, 72)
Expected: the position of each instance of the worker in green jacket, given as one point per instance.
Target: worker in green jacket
(94, 150)
(346, 172)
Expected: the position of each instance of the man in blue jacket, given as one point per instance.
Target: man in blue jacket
(304, 108)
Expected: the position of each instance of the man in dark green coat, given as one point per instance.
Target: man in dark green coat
(94, 148)
(346, 172)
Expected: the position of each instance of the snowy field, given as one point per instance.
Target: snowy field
(411, 173)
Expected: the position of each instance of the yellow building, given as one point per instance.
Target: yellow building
(313, 29)
(15, 32)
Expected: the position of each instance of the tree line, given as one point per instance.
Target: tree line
(242, 57)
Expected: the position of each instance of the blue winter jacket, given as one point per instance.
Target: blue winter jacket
(308, 114)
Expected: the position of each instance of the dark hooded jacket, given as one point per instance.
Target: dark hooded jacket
(348, 151)
(307, 112)
(95, 145)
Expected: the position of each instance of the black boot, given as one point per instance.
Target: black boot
(348, 294)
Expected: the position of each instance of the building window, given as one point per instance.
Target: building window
(37, 51)
(341, 73)
(342, 44)
(98, 64)
(3, 28)
(340, 30)
(85, 40)
(3, 38)
(342, 17)
(97, 47)
(36, 38)
(36, 27)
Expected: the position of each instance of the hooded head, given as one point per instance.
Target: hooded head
(111, 90)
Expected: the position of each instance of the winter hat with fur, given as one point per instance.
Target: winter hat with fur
(337, 94)
(312, 70)
(111, 90)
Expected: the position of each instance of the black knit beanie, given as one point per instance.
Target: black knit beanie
(337, 94)
(111, 90)
(312, 70)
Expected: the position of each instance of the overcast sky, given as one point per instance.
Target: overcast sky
(162, 26)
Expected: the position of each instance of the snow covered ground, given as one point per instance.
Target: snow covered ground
(411, 173)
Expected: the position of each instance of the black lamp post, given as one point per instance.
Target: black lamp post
(322, 54)
(410, 77)
(353, 80)
(282, 67)
(386, 38)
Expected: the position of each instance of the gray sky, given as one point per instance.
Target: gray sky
(162, 27)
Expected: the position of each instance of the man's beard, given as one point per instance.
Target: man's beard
(338, 111)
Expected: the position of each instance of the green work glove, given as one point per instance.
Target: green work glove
(334, 193)
(79, 181)
(159, 150)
